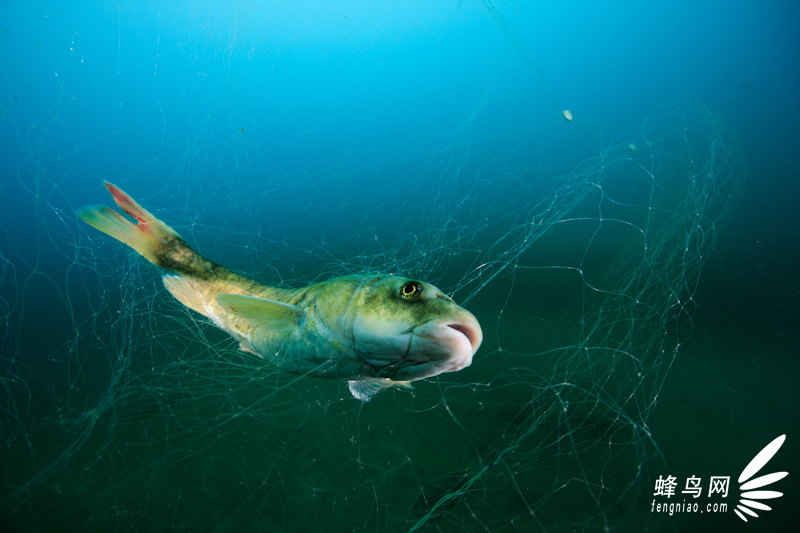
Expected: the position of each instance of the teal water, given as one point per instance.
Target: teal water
(632, 269)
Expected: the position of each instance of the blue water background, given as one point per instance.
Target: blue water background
(194, 106)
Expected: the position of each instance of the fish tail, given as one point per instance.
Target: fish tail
(156, 241)
(148, 236)
(199, 280)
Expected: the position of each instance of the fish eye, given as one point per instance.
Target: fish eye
(410, 290)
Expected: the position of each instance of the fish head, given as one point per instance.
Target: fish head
(408, 330)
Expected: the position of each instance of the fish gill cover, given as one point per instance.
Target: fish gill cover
(296, 144)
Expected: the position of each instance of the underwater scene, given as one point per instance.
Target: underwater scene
(435, 266)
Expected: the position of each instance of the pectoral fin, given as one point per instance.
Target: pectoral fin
(367, 388)
(260, 312)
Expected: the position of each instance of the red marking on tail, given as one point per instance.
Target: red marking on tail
(129, 205)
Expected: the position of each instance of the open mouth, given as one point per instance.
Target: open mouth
(474, 335)
(440, 345)
(457, 337)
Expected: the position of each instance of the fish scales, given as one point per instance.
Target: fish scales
(373, 330)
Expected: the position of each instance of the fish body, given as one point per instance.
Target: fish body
(372, 330)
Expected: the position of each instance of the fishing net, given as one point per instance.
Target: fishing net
(579, 253)
(582, 278)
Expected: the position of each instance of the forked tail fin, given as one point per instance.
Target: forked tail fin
(199, 280)
(147, 236)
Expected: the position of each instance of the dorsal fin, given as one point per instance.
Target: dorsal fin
(261, 312)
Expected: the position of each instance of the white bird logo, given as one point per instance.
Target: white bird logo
(747, 503)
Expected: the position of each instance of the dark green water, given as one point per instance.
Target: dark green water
(633, 270)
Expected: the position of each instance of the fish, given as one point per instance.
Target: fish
(373, 330)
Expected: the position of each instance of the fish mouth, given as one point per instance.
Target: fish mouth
(471, 330)
(440, 345)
